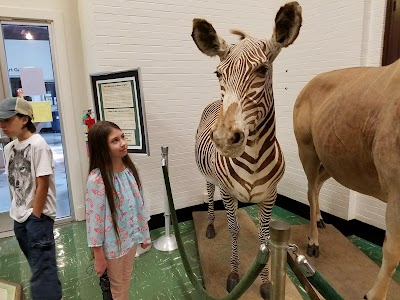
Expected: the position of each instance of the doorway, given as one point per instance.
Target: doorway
(25, 52)
(391, 44)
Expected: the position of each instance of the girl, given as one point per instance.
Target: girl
(116, 217)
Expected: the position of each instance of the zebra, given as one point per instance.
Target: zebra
(236, 146)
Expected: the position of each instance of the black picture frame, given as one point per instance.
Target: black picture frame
(128, 79)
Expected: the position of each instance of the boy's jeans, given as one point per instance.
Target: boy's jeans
(36, 240)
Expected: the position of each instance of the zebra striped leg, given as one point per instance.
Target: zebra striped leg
(264, 217)
(210, 233)
(231, 205)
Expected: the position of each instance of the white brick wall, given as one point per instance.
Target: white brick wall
(178, 80)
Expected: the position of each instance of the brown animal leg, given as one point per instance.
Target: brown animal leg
(322, 177)
(210, 232)
(391, 250)
(316, 176)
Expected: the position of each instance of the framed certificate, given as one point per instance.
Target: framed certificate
(118, 98)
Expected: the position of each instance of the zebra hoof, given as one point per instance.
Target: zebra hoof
(233, 280)
(265, 290)
(210, 232)
(313, 250)
(321, 224)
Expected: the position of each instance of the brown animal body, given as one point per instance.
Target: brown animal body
(347, 126)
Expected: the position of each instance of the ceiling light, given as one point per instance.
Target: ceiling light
(28, 36)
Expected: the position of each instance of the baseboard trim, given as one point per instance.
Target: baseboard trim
(185, 214)
(353, 227)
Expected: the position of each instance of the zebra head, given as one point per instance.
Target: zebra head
(245, 77)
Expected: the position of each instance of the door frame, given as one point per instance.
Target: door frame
(71, 130)
(3, 57)
(387, 33)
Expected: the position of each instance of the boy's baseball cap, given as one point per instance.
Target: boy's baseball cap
(11, 106)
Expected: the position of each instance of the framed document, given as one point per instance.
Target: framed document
(119, 99)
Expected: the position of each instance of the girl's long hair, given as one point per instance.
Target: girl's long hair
(99, 157)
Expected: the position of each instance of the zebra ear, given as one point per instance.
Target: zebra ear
(287, 23)
(207, 39)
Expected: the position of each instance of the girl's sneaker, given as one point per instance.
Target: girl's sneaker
(142, 248)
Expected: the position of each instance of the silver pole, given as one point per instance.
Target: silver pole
(167, 242)
(280, 233)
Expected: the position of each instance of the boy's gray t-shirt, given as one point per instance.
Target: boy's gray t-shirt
(25, 161)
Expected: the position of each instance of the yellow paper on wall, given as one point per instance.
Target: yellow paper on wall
(42, 111)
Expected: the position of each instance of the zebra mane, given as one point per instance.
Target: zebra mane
(240, 33)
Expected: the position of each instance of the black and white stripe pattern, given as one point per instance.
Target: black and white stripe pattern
(245, 77)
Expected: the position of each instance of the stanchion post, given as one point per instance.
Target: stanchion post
(167, 212)
(280, 233)
(167, 242)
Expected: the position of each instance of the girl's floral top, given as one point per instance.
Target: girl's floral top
(132, 214)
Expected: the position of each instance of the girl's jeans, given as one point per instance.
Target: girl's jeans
(36, 240)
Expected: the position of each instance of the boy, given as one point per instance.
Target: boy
(29, 167)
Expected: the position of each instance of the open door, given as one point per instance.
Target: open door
(27, 45)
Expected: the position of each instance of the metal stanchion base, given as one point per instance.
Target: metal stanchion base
(166, 243)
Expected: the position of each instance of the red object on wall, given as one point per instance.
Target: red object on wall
(89, 121)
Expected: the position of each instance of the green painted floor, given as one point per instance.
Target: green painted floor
(157, 275)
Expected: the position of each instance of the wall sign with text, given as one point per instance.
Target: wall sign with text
(119, 99)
